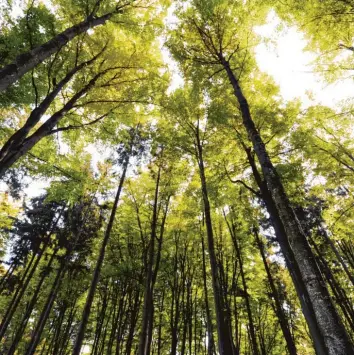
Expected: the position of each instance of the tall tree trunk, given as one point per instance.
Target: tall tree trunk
(337, 254)
(144, 344)
(36, 336)
(115, 318)
(252, 331)
(66, 335)
(279, 309)
(348, 252)
(176, 291)
(87, 309)
(26, 280)
(30, 306)
(101, 314)
(134, 319)
(20, 286)
(226, 346)
(29, 60)
(288, 254)
(18, 296)
(340, 296)
(211, 343)
(333, 333)
(161, 308)
(58, 332)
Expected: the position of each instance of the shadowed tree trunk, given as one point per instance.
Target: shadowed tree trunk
(226, 346)
(87, 309)
(36, 336)
(30, 306)
(333, 333)
(211, 343)
(11, 309)
(279, 310)
(252, 331)
(287, 252)
(153, 263)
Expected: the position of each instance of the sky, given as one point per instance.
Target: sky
(285, 59)
(291, 66)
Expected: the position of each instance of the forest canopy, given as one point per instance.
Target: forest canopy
(176, 177)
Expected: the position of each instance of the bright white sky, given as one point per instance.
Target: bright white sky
(285, 59)
(291, 66)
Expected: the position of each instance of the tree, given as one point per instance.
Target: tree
(27, 61)
(216, 46)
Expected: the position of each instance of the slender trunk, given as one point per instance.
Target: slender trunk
(211, 343)
(20, 286)
(226, 346)
(125, 318)
(144, 344)
(87, 309)
(339, 257)
(348, 252)
(134, 319)
(189, 315)
(36, 336)
(332, 331)
(115, 319)
(279, 309)
(252, 331)
(30, 307)
(29, 60)
(175, 301)
(155, 271)
(57, 336)
(101, 314)
(16, 301)
(102, 341)
(340, 296)
(66, 335)
(25, 281)
(159, 338)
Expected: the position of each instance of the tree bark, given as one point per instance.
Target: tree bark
(288, 254)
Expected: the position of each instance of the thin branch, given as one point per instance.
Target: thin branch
(257, 193)
(70, 127)
(54, 166)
